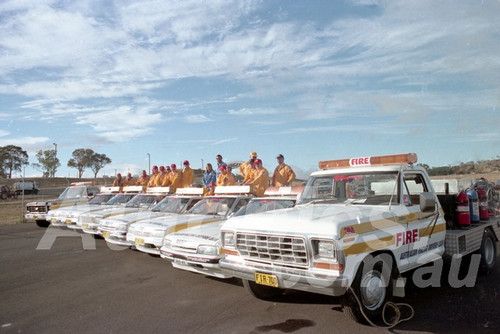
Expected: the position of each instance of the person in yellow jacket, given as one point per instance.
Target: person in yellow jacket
(143, 180)
(225, 178)
(175, 178)
(165, 182)
(283, 174)
(159, 177)
(154, 177)
(187, 175)
(129, 180)
(249, 171)
(119, 182)
(247, 165)
(260, 180)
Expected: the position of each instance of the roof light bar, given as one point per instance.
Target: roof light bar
(394, 159)
(189, 191)
(231, 190)
(159, 190)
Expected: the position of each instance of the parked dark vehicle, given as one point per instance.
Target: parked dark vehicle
(6, 192)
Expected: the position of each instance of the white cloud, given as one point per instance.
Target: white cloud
(197, 119)
(25, 142)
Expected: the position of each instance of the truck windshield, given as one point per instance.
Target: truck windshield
(73, 192)
(263, 205)
(356, 188)
(100, 199)
(120, 199)
(171, 204)
(141, 201)
(213, 206)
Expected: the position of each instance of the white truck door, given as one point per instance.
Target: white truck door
(421, 228)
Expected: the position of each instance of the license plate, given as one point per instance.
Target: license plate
(105, 234)
(181, 262)
(265, 279)
(85, 225)
(68, 221)
(35, 217)
(53, 220)
(139, 241)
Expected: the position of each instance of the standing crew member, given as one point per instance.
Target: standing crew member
(283, 174)
(260, 180)
(187, 175)
(161, 176)
(129, 180)
(218, 158)
(209, 176)
(152, 179)
(175, 178)
(119, 182)
(143, 180)
(244, 166)
(225, 178)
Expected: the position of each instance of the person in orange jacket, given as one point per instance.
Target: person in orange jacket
(129, 180)
(187, 175)
(154, 177)
(143, 180)
(225, 178)
(260, 180)
(165, 182)
(175, 178)
(249, 171)
(119, 182)
(283, 174)
(247, 165)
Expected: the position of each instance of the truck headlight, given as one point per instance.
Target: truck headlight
(207, 250)
(326, 249)
(229, 239)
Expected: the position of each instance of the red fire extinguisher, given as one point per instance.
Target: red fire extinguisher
(463, 214)
(483, 204)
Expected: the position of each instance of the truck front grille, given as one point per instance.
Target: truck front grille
(281, 250)
(37, 208)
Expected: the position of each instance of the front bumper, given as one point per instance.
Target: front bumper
(201, 264)
(288, 278)
(35, 216)
(116, 237)
(145, 244)
(91, 228)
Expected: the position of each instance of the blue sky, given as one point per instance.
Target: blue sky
(313, 80)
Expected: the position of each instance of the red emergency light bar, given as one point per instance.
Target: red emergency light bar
(406, 158)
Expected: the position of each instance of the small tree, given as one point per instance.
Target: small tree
(98, 162)
(82, 159)
(12, 159)
(47, 162)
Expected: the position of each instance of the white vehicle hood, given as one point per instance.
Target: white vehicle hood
(207, 234)
(323, 219)
(136, 216)
(166, 223)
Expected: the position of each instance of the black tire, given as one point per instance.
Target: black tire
(3, 196)
(370, 290)
(43, 223)
(261, 291)
(488, 252)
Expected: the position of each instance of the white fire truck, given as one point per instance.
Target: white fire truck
(358, 225)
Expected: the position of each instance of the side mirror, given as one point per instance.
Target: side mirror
(427, 202)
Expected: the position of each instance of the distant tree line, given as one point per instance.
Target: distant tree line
(13, 158)
(471, 167)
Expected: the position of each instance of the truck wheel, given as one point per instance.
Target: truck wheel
(3, 196)
(42, 223)
(262, 291)
(488, 252)
(370, 290)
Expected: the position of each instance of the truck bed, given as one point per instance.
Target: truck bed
(467, 240)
